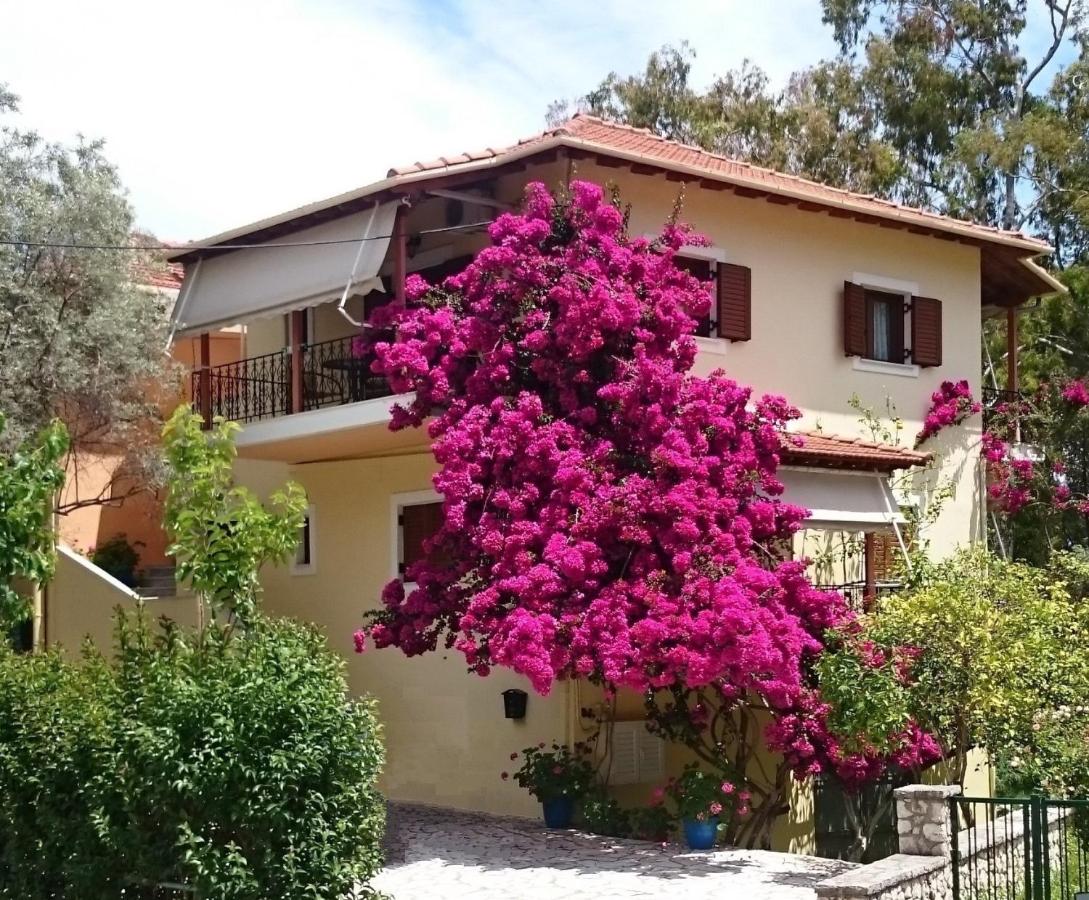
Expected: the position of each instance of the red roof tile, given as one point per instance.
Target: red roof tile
(152, 269)
(833, 451)
(595, 133)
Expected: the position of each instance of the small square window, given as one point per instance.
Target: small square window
(885, 326)
(305, 556)
(416, 522)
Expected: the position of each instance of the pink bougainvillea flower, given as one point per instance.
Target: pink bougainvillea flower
(950, 405)
(360, 640)
(605, 510)
(1076, 394)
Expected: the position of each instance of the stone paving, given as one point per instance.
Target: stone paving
(439, 853)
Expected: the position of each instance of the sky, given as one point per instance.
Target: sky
(220, 112)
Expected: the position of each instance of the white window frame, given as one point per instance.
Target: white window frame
(397, 502)
(716, 256)
(310, 568)
(907, 289)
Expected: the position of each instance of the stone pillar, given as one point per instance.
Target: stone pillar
(923, 821)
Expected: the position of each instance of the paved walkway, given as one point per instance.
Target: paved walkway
(437, 853)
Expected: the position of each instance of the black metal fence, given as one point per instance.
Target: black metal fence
(854, 592)
(260, 387)
(334, 374)
(1032, 848)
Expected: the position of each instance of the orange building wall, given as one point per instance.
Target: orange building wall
(138, 517)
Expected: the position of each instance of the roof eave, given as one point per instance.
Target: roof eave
(376, 187)
(938, 224)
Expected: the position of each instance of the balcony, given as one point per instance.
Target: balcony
(265, 387)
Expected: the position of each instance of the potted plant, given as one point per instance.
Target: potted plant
(557, 777)
(703, 801)
(117, 557)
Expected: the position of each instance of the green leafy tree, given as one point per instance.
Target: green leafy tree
(961, 98)
(30, 475)
(822, 125)
(239, 768)
(221, 534)
(233, 762)
(78, 340)
(974, 653)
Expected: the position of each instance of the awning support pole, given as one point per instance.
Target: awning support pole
(355, 267)
(869, 563)
(886, 493)
(179, 304)
(400, 257)
(205, 379)
(298, 324)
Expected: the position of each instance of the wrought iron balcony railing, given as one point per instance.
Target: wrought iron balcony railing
(261, 387)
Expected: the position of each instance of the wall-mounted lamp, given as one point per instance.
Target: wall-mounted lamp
(514, 703)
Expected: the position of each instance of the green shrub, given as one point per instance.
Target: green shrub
(56, 724)
(237, 765)
(118, 557)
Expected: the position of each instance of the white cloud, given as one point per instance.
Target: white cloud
(218, 113)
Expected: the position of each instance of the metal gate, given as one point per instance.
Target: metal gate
(1028, 848)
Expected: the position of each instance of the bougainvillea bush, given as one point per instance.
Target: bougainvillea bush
(606, 512)
(950, 404)
(1036, 447)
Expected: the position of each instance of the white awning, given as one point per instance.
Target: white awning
(245, 284)
(858, 501)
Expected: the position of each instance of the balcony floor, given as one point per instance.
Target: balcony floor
(350, 431)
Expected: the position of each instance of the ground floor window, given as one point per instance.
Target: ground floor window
(418, 517)
(305, 561)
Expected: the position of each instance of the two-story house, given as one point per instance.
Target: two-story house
(821, 295)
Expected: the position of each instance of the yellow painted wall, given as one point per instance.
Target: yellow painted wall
(799, 262)
(81, 600)
(447, 740)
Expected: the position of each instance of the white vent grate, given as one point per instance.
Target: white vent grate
(638, 757)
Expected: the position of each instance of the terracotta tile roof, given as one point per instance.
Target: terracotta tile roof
(153, 269)
(595, 133)
(832, 451)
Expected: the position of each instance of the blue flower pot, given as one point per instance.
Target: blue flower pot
(700, 835)
(558, 812)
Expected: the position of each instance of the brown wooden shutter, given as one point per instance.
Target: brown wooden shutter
(854, 320)
(418, 522)
(885, 550)
(734, 302)
(926, 331)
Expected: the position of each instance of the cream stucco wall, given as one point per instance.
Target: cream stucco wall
(445, 732)
(799, 262)
(81, 601)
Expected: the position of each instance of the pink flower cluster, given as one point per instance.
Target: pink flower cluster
(1076, 394)
(805, 740)
(602, 506)
(950, 405)
(1012, 486)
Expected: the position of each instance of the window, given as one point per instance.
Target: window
(885, 326)
(701, 269)
(875, 315)
(305, 560)
(418, 517)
